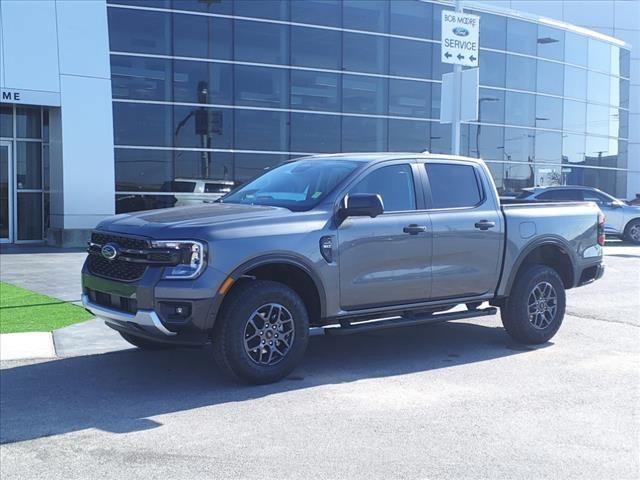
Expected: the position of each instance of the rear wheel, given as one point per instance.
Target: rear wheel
(261, 333)
(632, 232)
(535, 309)
(145, 344)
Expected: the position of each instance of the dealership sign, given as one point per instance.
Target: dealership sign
(460, 33)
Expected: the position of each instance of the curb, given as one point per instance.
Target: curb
(28, 345)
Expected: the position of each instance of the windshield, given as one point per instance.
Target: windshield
(298, 186)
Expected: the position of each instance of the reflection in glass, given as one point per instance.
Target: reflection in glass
(142, 124)
(201, 37)
(411, 18)
(597, 119)
(28, 122)
(315, 91)
(548, 146)
(522, 36)
(258, 130)
(6, 121)
(599, 55)
(367, 15)
(520, 109)
(486, 142)
(365, 53)
(314, 47)
(574, 116)
(28, 165)
(261, 86)
(550, 77)
(573, 148)
(125, 34)
(440, 138)
(362, 94)
(364, 134)
(261, 42)
(250, 165)
(491, 106)
(190, 79)
(143, 170)
(409, 136)
(492, 31)
(550, 42)
(492, 69)
(321, 12)
(521, 73)
(599, 85)
(141, 78)
(409, 58)
(311, 133)
(202, 127)
(274, 9)
(575, 49)
(409, 99)
(575, 82)
(548, 112)
(29, 215)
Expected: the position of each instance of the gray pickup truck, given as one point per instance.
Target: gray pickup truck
(348, 243)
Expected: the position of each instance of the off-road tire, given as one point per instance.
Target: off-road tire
(144, 344)
(515, 312)
(633, 224)
(229, 331)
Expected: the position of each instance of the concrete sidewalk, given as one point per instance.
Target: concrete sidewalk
(20, 346)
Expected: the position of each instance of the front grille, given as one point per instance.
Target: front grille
(116, 269)
(125, 304)
(102, 238)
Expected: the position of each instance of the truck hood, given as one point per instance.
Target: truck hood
(191, 220)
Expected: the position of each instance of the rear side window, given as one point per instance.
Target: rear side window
(562, 195)
(394, 184)
(453, 186)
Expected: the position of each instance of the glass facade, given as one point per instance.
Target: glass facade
(220, 90)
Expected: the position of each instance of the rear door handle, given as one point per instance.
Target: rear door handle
(485, 225)
(414, 229)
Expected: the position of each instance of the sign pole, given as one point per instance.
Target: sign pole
(455, 121)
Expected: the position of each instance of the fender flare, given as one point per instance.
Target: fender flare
(552, 240)
(288, 259)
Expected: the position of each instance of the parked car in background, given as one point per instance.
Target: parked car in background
(621, 218)
(194, 191)
(351, 242)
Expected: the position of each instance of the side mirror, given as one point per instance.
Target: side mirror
(362, 205)
(613, 205)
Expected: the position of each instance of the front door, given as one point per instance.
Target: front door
(6, 193)
(382, 260)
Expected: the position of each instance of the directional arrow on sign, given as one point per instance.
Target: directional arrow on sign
(460, 56)
(448, 55)
(472, 58)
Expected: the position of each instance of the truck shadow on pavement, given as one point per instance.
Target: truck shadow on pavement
(118, 392)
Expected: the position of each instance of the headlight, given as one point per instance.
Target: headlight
(192, 258)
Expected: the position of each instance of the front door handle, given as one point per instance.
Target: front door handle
(414, 229)
(485, 225)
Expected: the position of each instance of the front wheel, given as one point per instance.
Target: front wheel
(262, 332)
(632, 232)
(535, 309)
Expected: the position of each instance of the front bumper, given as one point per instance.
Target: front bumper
(143, 308)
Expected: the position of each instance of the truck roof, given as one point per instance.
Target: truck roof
(375, 157)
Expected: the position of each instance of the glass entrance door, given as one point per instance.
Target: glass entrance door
(6, 193)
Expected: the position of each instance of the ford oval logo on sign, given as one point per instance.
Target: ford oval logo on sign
(460, 31)
(109, 251)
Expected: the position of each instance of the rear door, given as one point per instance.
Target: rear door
(467, 229)
(386, 260)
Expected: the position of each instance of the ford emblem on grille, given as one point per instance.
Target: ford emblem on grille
(109, 251)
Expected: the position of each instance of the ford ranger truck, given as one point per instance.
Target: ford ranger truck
(349, 243)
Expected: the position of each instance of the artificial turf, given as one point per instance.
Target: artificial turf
(22, 310)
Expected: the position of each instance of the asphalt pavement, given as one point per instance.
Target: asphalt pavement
(456, 400)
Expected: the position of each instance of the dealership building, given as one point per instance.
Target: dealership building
(123, 105)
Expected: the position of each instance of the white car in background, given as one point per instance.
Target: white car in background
(193, 191)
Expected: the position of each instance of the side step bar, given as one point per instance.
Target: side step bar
(348, 329)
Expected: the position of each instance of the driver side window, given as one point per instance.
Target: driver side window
(394, 184)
